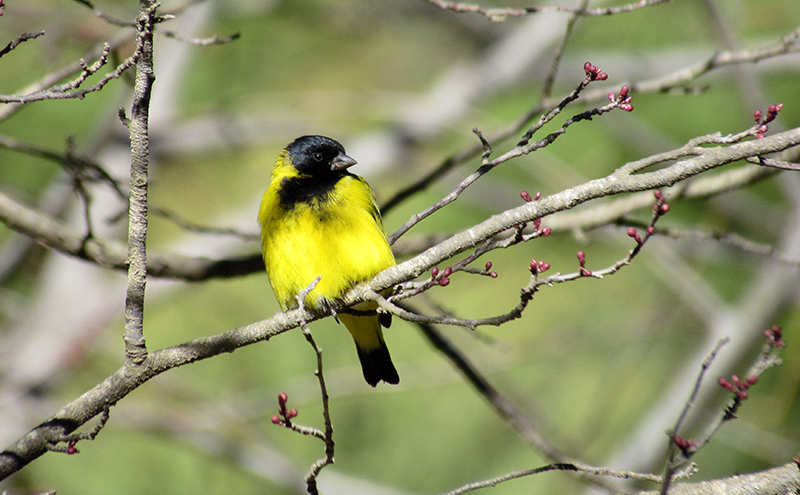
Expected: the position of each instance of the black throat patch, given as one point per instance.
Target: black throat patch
(313, 191)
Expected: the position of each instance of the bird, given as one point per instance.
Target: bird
(318, 219)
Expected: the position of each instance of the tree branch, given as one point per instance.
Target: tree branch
(135, 348)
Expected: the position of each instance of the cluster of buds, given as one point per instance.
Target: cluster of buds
(487, 268)
(594, 73)
(284, 417)
(634, 234)
(762, 127)
(661, 207)
(537, 223)
(686, 445)
(737, 386)
(774, 336)
(582, 262)
(443, 277)
(537, 267)
(622, 98)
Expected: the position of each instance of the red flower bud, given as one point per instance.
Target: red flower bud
(726, 384)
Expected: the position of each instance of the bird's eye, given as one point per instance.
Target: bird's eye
(317, 156)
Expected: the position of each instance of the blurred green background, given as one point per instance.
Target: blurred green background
(401, 84)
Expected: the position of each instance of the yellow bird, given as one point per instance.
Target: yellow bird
(318, 219)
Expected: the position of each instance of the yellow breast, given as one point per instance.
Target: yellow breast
(339, 236)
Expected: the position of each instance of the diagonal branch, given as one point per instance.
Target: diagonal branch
(114, 388)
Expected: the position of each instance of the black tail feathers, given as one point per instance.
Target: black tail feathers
(377, 365)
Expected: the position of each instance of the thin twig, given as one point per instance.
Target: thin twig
(509, 413)
(672, 467)
(526, 293)
(327, 437)
(774, 163)
(71, 89)
(500, 14)
(54, 77)
(74, 438)
(524, 147)
(680, 451)
(728, 238)
(679, 78)
(311, 476)
(20, 39)
(547, 86)
(214, 40)
(102, 15)
(560, 466)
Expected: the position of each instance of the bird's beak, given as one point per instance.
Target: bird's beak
(342, 162)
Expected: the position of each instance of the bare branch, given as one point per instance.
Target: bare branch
(316, 468)
(549, 80)
(672, 467)
(135, 348)
(214, 40)
(111, 254)
(500, 14)
(117, 386)
(730, 239)
(788, 44)
(771, 162)
(74, 438)
(109, 19)
(21, 39)
(524, 147)
(780, 480)
(71, 89)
